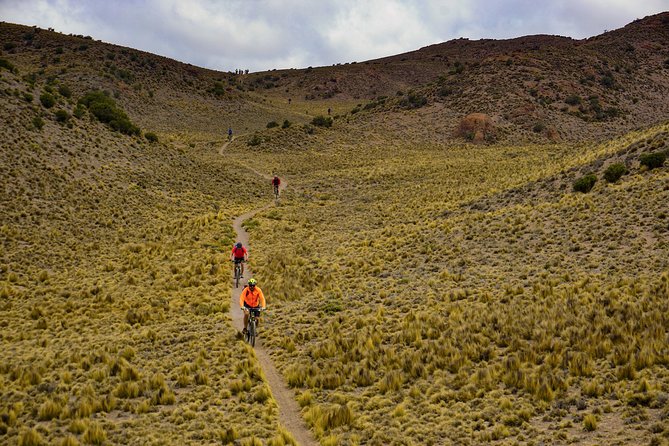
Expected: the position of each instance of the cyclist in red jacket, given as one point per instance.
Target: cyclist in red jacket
(276, 182)
(239, 254)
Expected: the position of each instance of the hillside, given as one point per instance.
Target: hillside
(423, 288)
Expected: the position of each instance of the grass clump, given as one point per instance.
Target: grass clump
(590, 422)
(104, 108)
(30, 437)
(585, 183)
(614, 172)
(49, 410)
(653, 160)
(95, 434)
(272, 124)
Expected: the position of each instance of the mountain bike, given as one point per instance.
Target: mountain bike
(252, 326)
(238, 273)
(276, 191)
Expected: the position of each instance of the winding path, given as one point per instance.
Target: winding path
(289, 410)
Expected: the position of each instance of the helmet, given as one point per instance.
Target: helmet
(238, 245)
(253, 282)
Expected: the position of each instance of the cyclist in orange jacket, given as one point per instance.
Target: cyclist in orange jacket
(251, 298)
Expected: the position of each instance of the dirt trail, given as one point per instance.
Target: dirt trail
(289, 410)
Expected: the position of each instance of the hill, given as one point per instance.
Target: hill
(422, 289)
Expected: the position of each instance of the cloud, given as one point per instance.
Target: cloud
(266, 34)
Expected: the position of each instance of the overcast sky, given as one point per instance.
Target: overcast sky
(265, 34)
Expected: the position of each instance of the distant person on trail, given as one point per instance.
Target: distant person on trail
(229, 134)
(276, 182)
(239, 254)
(251, 298)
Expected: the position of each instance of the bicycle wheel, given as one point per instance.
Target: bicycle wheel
(238, 274)
(252, 333)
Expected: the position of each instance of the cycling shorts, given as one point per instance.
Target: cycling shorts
(255, 310)
(238, 259)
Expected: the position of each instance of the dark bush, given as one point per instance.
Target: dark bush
(255, 140)
(151, 137)
(218, 89)
(322, 121)
(286, 124)
(614, 172)
(272, 124)
(38, 122)
(539, 127)
(64, 91)
(27, 97)
(585, 183)
(62, 115)
(573, 99)
(8, 46)
(47, 100)
(653, 160)
(104, 108)
(4, 63)
(413, 100)
(79, 111)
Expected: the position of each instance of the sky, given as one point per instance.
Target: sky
(261, 35)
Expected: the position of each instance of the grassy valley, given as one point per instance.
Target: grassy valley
(425, 285)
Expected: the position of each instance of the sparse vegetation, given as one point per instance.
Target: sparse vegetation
(422, 289)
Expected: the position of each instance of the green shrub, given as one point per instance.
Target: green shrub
(413, 100)
(4, 63)
(47, 100)
(585, 183)
(255, 140)
(104, 108)
(64, 91)
(322, 121)
(151, 137)
(27, 97)
(614, 172)
(653, 160)
(79, 111)
(62, 116)
(272, 124)
(286, 124)
(573, 99)
(539, 127)
(38, 122)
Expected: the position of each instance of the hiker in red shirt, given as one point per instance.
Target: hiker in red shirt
(239, 254)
